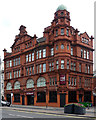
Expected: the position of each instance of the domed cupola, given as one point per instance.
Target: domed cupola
(62, 16)
(61, 7)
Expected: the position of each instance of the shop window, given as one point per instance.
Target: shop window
(41, 96)
(16, 97)
(87, 96)
(72, 96)
(52, 96)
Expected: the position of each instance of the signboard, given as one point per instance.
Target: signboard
(62, 79)
(30, 93)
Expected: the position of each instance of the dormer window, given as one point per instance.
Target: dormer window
(85, 40)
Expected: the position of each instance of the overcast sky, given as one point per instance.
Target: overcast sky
(38, 14)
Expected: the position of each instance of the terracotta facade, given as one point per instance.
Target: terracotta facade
(53, 70)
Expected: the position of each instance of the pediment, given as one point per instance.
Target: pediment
(85, 35)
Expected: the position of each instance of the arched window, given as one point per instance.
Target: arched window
(41, 82)
(30, 83)
(17, 85)
(9, 86)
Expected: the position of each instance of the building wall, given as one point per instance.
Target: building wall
(66, 56)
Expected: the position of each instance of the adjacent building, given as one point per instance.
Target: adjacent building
(53, 70)
(2, 80)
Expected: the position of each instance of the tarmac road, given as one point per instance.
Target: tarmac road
(11, 114)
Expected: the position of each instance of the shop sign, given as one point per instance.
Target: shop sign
(62, 79)
(30, 93)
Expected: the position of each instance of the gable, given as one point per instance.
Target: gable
(85, 35)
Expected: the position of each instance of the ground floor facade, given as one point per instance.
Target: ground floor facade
(49, 98)
(55, 89)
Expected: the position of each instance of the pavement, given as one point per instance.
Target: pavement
(90, 113)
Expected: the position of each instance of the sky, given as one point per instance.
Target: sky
(38, 14)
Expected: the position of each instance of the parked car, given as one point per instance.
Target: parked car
(5, 103)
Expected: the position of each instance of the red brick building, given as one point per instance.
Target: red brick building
(53, 70)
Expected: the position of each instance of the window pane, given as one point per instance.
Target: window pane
(62, 31)
(62, 46)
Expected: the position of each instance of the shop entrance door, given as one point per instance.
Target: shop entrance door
(30, 99)
(23, 100)
(62, 99)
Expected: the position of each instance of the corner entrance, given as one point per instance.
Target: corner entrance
(30, 99)
(62, 99)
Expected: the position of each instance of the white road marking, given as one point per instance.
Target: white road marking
(24, 116)
(11, 114)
